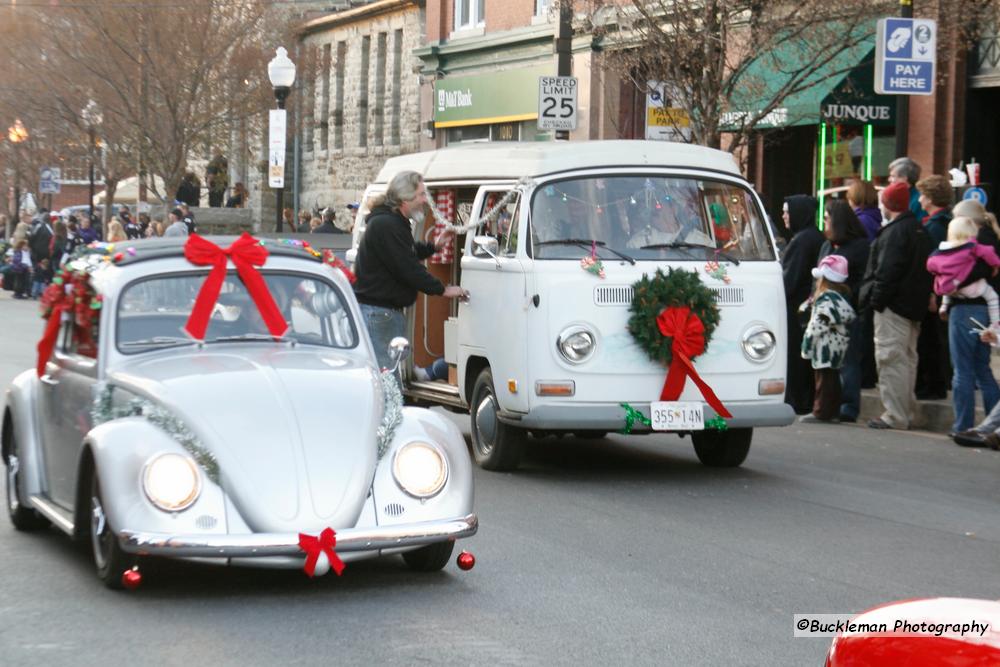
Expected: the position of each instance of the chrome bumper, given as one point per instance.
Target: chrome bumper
(263, 545)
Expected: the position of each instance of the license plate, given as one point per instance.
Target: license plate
(677, 416)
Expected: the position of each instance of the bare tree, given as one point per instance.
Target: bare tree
(170, 80)
(730, 64)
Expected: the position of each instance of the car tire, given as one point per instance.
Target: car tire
(431, 558)
(109, 558)
(722, 449)
(22, 516)
(495, 445)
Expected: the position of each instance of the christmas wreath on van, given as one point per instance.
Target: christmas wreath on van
(673, 317)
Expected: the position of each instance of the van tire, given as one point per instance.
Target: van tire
(495, 445)
(722, 449)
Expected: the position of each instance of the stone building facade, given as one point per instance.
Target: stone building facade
(359, 98)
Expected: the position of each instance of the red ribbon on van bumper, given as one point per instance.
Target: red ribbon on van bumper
(314, 546)
(688, 334)
(247, 254)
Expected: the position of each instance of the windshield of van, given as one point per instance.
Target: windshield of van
(648, 218)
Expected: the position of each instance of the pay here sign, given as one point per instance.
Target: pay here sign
(905, 54)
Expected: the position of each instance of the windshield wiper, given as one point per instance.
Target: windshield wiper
(158, 341)
(686, 245)
(254, 337)
(588, 242)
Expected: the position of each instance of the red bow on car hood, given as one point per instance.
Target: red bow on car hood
(687, 333)
(247, 254)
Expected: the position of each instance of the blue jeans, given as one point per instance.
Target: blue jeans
(383, 325)
(970, 358)
(850, 372)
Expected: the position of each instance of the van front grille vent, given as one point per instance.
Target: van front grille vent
(621, 295)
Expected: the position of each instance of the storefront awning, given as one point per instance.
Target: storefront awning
(781, 68)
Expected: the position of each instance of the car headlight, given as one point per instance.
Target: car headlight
(758, 343)
(576, 344)
(420, 469)
(171, 482)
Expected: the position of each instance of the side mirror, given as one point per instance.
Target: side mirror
(486, 245)
(399, 350)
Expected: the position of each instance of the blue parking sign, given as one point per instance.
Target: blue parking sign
(905, 56)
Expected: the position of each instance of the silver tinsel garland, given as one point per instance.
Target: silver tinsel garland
(104, 410)
(522, 186)
(393, 411)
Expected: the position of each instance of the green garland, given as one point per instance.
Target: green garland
(676, 288)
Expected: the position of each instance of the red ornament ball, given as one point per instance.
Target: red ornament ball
(466, 561)
(131, 579)
(118, 257)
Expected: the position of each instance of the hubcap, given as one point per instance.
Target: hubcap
(98, 531)
(486, 424)
(13, 466)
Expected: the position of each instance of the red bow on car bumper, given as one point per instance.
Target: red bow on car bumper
(314, 546)
(688, 334)
(247, 254)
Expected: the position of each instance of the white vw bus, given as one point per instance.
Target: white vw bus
(542, 347)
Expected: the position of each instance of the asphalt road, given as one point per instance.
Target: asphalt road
(622, 551)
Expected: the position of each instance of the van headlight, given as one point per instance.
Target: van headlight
(420, 469)
(758, 343)
(576, 344)
(172, 482)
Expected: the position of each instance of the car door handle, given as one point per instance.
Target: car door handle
(49, 380)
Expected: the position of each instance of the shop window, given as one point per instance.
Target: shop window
(505, 132)
(469, 13)
(468, 133)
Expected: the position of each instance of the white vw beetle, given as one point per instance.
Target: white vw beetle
(235, 449)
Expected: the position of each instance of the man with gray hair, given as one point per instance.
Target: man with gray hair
(389, 263)
(906, 170)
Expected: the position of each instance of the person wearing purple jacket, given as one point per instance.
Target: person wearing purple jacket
(863, 198)
(87, 232)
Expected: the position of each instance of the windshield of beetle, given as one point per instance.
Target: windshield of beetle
(648, 217)
(152, 312)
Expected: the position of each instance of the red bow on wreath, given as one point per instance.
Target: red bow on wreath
(688, 334)
(55, 301)
(247, 254)
(314, 546)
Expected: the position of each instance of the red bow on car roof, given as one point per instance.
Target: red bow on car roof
(247, 254)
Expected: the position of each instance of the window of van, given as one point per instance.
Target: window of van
(648, 218)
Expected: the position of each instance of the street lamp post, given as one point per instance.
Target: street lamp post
(17, 134)
(281, 72)
(92, 118)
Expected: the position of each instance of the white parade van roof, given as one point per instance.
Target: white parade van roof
(512, 161)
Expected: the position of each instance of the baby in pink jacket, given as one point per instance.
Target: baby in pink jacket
(959, 266)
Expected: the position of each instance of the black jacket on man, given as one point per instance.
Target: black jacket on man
(897, 277)
(388, 265)
(39, 239)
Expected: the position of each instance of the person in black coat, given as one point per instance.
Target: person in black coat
(897, 287)
(801, 255)
(847, 237)
(389, 268)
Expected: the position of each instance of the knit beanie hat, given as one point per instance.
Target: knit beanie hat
(833, 268)
(896, 197)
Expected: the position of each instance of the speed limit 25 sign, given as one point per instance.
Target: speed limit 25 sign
(557, 102)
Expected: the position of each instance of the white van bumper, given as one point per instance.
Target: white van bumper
(611, 416)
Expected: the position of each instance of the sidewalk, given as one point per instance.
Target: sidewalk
(938, 415)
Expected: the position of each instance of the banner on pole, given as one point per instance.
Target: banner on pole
(276, 149)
